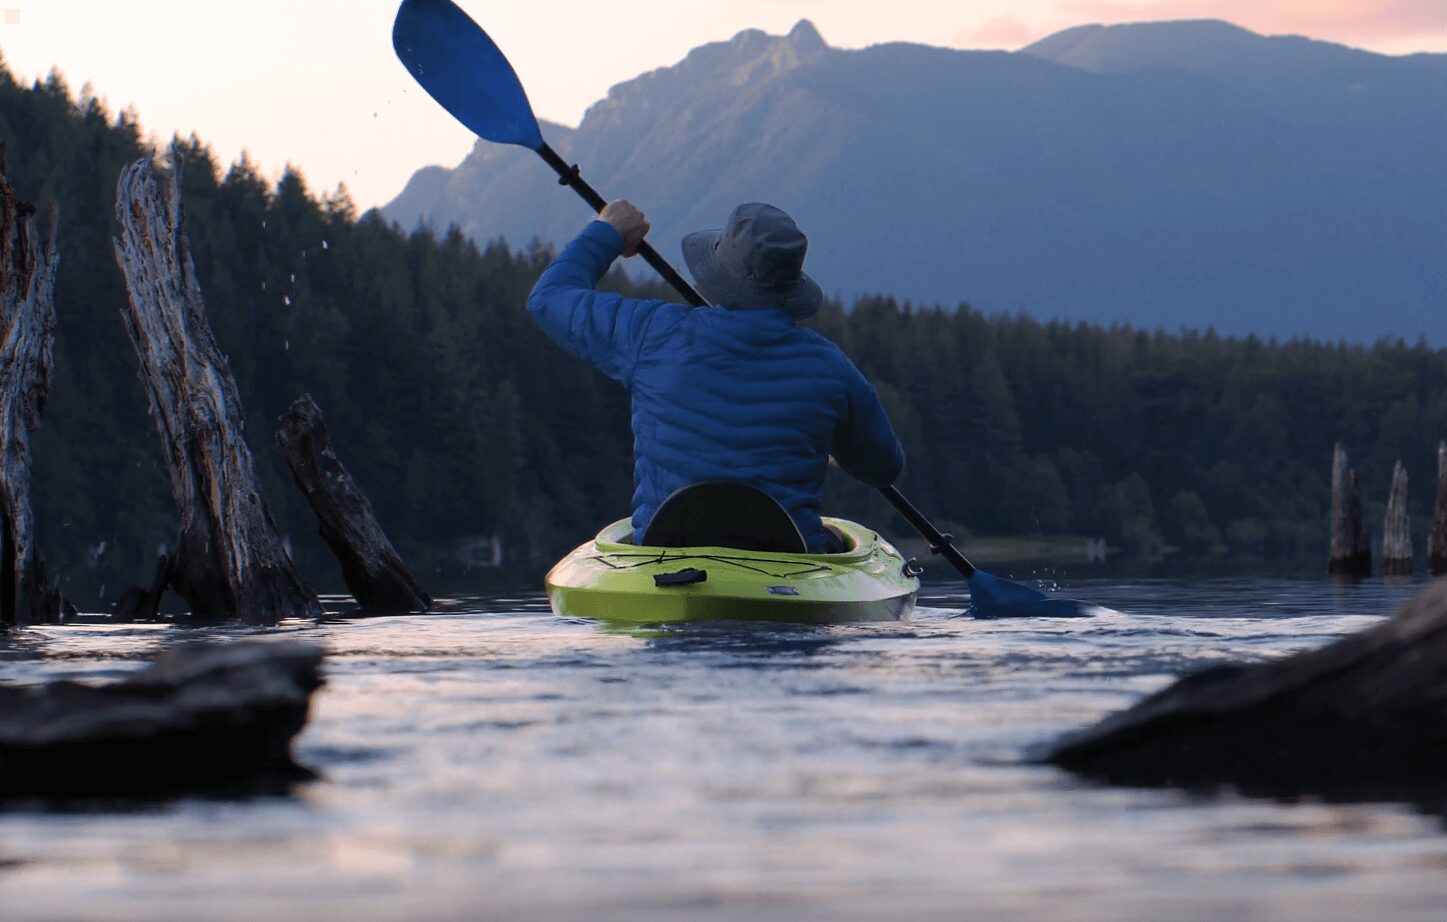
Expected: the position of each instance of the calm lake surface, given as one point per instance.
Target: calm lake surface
(496, 762)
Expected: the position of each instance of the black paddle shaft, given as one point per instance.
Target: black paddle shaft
(571, 176)
(939, 543)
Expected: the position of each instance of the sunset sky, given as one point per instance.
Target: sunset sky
(314, 82)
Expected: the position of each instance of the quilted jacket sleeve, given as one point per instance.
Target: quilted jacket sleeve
(865, 444)
(600, 327)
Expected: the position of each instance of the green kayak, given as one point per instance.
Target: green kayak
(612, 579)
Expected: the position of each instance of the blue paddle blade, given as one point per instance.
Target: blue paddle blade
(460, 67)
(993, 597)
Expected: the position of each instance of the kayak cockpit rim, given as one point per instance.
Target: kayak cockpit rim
(617, 540)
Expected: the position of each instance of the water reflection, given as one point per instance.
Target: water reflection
(743, 645)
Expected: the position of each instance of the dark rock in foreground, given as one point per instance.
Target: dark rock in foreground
(1362, 718)
(201, 717)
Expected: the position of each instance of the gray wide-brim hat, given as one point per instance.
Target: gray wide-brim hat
(754, 261)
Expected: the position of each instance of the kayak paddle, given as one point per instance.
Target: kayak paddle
(990, 595)
(460, 67)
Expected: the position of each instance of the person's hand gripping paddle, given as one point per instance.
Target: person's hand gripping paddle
(459, 66)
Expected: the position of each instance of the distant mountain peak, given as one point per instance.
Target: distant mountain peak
(1197, 29)
(749, 58)
(1143, 45)
(1209, 46)
(806, 37)
(753, 46)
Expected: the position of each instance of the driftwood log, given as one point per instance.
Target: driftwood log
(27, 331)
(1397, 528)
(1437, 540)
(1362, 718)
(230, 561)
(1351, 555)
(201, 716)
(371, 566)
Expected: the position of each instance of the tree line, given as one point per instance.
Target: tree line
(464, 423)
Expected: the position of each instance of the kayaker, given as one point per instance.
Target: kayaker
(741, 393)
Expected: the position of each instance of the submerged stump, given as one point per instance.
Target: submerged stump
(1437, 540)
(27, 333)
(373, 570)
(230, 561)
(1362, 718)
(201, 716)
(143, 602)
(1351, 555)
(1396, 528)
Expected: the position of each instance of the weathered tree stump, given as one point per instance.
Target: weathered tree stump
(199, 717)
(140, 603)
(1437, 540)
(1396, 529)
(27, 332)
(374, 572)
(230, 561)
(1362, 718)
(1351, 555)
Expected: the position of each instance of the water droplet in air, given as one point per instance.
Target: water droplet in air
(325, 246)
(293, 278)
(286, 299)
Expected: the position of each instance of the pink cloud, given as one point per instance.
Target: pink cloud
(999, 32)
(1343, 20)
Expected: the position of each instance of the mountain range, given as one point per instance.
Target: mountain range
(1167, 175)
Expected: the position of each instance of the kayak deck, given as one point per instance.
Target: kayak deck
(612, 579)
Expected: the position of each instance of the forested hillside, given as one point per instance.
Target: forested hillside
(463, 422)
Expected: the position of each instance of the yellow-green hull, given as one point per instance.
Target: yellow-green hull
(611, 579)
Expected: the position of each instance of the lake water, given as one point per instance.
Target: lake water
(496, 762)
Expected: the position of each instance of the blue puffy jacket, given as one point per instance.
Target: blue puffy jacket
(740, 395)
